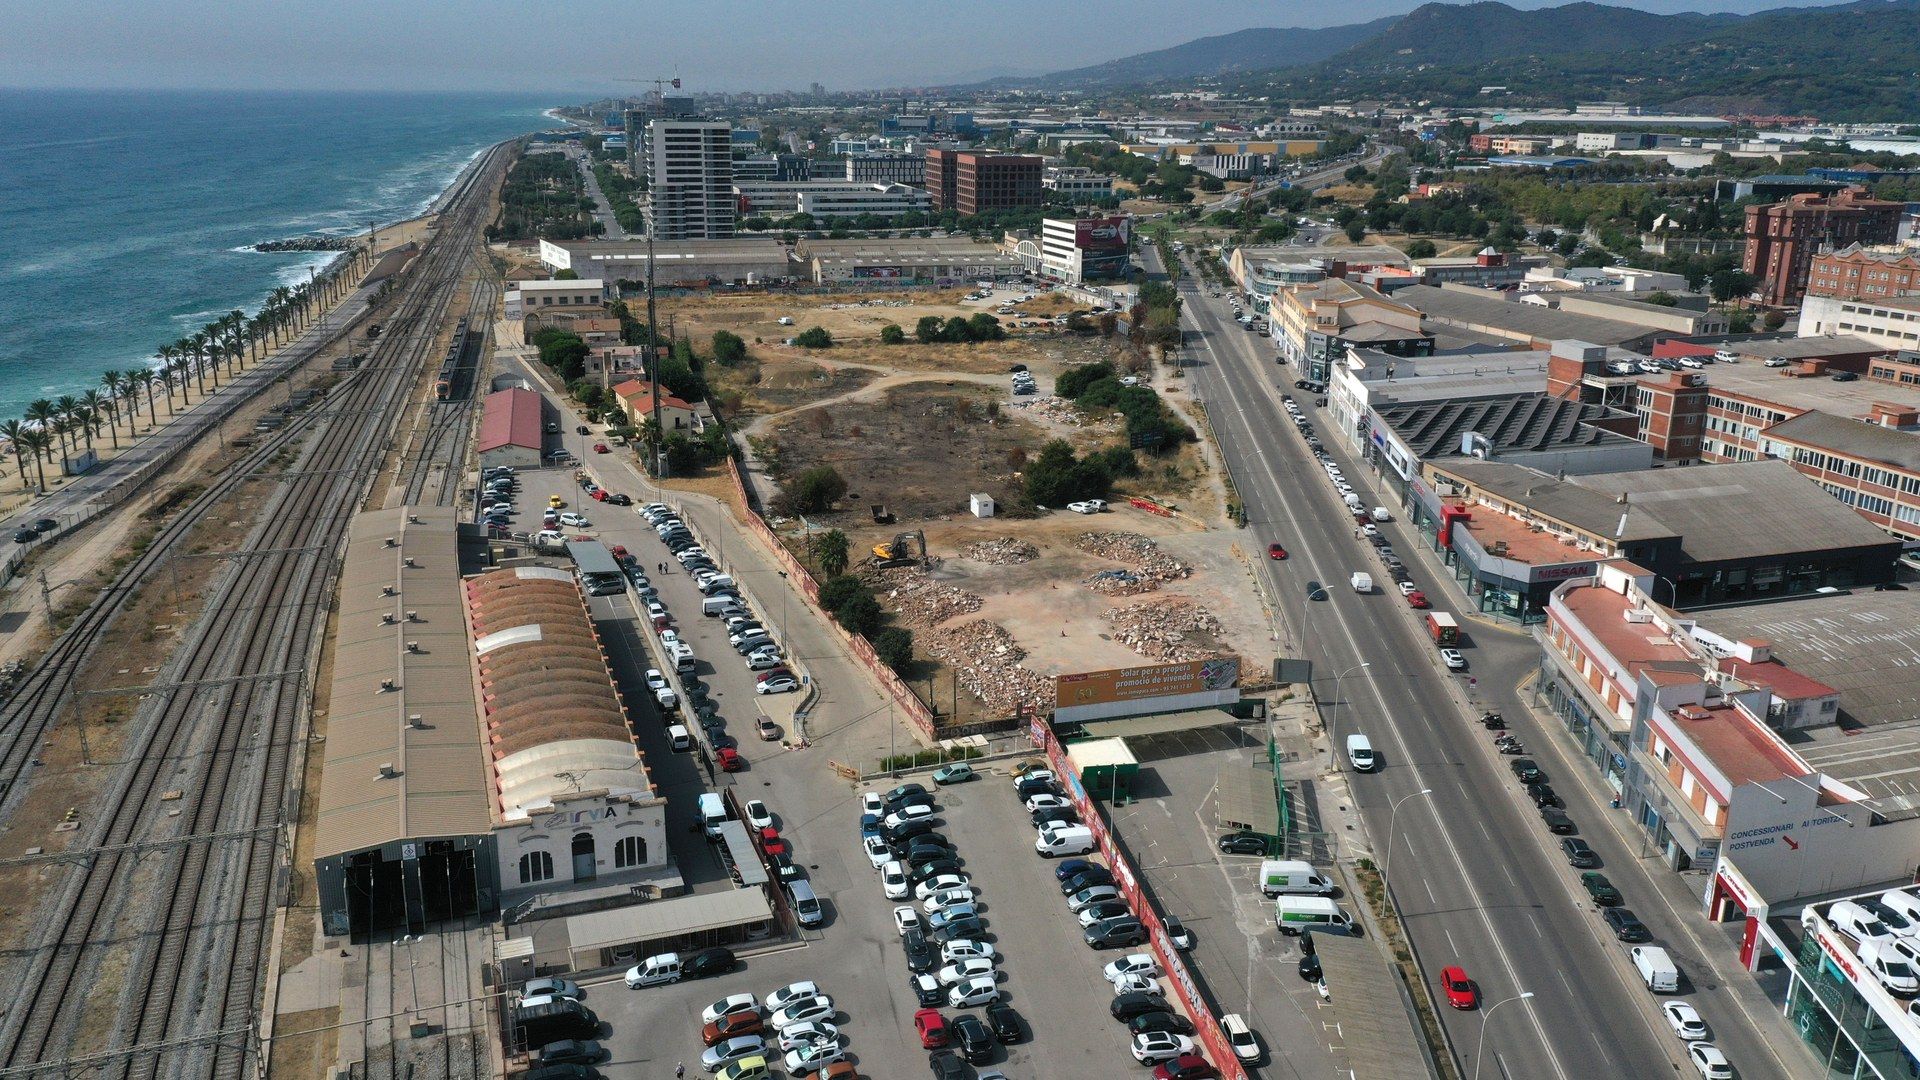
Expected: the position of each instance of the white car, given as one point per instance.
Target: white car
(1090, 506)
(1131, 964)
(727, 1006)
(758, 815)
(1154, 1047)
(764, 660)
(657, 682)
(1036, 774)
(1408, 588)
(893, 881)
(809, 1033)
(900, 817)
(1689, 363)
(966, 949)
(573, 519)
(1453, 659)
(669, 638)
(801, 1011)
(732, 1050)
(939, 884)
(905, 919)
(1684, 1020)
(962, 971)
(1045, 801)
(946, 898)
(877, 851)
(973, 992)
(871, 802)
(812, 1058)
(791, 993)
(783, 685)
(1239, 1036)
(1709, 1062)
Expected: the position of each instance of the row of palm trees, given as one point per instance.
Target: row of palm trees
(65, 424)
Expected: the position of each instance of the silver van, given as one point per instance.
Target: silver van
(806, 906)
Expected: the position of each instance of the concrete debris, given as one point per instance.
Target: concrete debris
(1004, 551)
(986, 660)
(918, 600)
(1150, 566)
(1058, 410)
(1173, 629)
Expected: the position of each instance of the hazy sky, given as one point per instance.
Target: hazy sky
(585, 46)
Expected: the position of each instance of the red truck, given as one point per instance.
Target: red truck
(1445, 632)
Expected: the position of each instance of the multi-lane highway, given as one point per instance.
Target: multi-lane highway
(1478, 879)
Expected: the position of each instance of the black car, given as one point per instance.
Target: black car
(918, 798)
(1136, 1003)
(25, 536)
(1243, 843)
(1114, 933)
(907, 830)
(1038, 785)
(784, 868)
(946, 1065)
(1626, 926)
(620, 500)
(1107, 909)
(926, 989)
(1544, 795)
(1556, 820)
(967, 929)
(1069, 867)
(918, 849)
(1526, 770)
(706, 962)
(1579, 854)
(1092, 875)
(45, 525)
(976, 1042)
(904, 790)
(1171, 1022)
(921, 955)
(1004, 1023)
(933, 868)
(1055, 814)
(568, 1052)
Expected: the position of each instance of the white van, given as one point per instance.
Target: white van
(1903, 902)
(1292, 877)
(655, 971)
(1055, 840)
(1656, 968)
(1354, 505)
(679, 738)
(1891, 966)
(1380, 514)
(1360, 754)
(713, 812)
(806, 906)
(723, 604)
(1294, 914)
(715, 584)
(1361, 581)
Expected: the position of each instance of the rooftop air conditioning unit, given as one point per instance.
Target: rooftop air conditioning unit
(386, 618)
(388, 590)
(1636, 615)
(408, 561)
(413, 646)
(391, 542)
(413, 616)
(387, 771)
(387, 686)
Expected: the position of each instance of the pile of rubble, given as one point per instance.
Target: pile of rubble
(1149, 566)
(1004, 551)
(1172, 629)
(1056, 409)
(917, 599)
(986, 660)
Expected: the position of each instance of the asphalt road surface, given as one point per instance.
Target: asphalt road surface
(1479, 881)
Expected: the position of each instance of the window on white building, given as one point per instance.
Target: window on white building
(536, 866)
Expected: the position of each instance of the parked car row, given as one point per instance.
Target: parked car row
(560, 1032)
(950, 962)
(795, 1027)
(749, 638)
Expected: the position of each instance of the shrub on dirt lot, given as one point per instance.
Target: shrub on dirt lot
(927, 330)
(1057, 477)
(839, 589)
(728, 348)
(891, 334)
(894, 646)
(861, 614)
(815, 489)
(814, 337)
(1075, 380)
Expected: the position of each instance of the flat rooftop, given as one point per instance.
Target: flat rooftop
(1740, 749)
(1637, 646)
(1523, 544)
(1490, 312)
(1890, 446)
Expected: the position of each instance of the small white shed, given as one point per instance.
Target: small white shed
(982, 504)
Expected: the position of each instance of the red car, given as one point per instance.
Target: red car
(601, 448)
(1461, 993)
(1417, 600)
(619, 551)
(932, 1028)
(1275, 551)
(599, 495)
(1186, 1067)
(730, 759)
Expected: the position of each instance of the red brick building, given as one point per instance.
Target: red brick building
(972, 183)
(1672, 415)
(1855, 272)
(1783, 237)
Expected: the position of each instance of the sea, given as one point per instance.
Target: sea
(126, 216)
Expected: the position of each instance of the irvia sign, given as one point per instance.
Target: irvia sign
(578, 817)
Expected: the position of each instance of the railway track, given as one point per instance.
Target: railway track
(186, 919)
(440, 450)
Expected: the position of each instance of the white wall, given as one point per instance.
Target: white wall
(1789, 848)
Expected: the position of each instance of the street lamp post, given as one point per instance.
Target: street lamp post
(1393, 820)
(1485, 1018)
(1334, 713)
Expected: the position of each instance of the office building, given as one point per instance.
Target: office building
(1783, 238)
(689, 170)
(1079, 249)
(1315, 323)
(884, 169)
(744, 260)
(829, 199)
(970, 182)
(1077, 182)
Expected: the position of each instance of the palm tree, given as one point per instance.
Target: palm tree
(198, 344)
(12, 431)
(114, 381)
(832, 549)
(40, 413)
(39, 442)
(68, 406)
(138, 380)
(99, 404)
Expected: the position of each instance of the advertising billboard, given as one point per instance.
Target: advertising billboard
(1101, 233)
(1116, 685)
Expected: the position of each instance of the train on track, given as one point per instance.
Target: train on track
(447, 387)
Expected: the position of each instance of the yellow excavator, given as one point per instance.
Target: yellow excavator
(900, 550)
